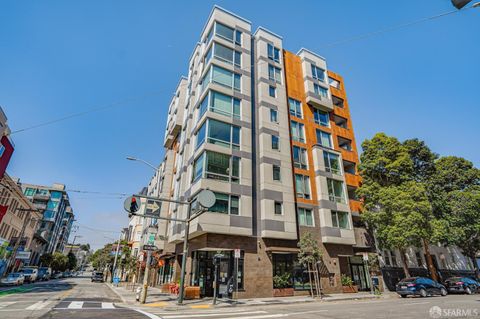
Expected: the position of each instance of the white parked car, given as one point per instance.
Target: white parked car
(30, 274)
(13, 279)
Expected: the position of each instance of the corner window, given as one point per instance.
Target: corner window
(221, 104)
(223, 77)
(226, 204)
(276, 173)
(273, 53)
(321, 117)
(223, 31)
(217, 166)
(200, 136)
(29, 192)
(324, 138)
(295, 107)
(335, 191)
(273, 116)
(223, 134)
(340, 220)
(299, 157)
(302, 186)
(278, 208)
(318, 73)
(272, 91)
(274, 74)
(298, 132)
(305, 217)
(320, 90)
(275, 142)
(332, 163)
(225, 54)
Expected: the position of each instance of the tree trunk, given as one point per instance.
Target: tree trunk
(403, 256)
(430, 265)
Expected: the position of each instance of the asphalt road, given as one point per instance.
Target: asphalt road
(74, 298)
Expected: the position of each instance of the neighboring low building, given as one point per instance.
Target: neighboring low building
(54, 203)
(19, 221)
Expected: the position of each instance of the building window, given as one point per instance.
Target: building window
(318, 73)
(394, 258)
(217, 166)
(274, 74)
(272, 91)
(340, 220)
(278, 208)
(335, 191)
(324, 138)
(345, 143)
(275, 142)
(302, 186)
(221, 104)
(334, 83)
(273, 53)
(238, 37)
(29, 192)
(320, 90)
(200, 136)
(295, 107)
(332, 163)
(225, 54)
(386, 257)
(321, 117)
(273, 116)
(276, 173)
(305, 217)
(226, 204)
(223, 77)
(338, 101)
(298, 132)
(226, 33)
(222, 134)
(299, 157)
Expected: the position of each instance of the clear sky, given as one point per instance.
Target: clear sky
(63, 57)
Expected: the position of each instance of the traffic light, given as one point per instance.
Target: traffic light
(133, 206)
(460, 3)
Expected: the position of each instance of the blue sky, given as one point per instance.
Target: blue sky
(63, 57)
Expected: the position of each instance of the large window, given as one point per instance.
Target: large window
(295, 107)
(276, 173)
(318, 73)
(272, 91)
(335, 191)
(324, 138)
(273, 53)
(340, 220)
(299, 157)
(228, 33)
(275, 142)
(223, 77)
(320, 90)
(226, 204)
(298, 132)
(29, 192)
(219, 133)
(332, 163)
(274, 73)
(217, 166)
(224, 54)
(273, 116)
(302, 186)
(305, 217)
(321, 117)
(221, 104)
(278, 208)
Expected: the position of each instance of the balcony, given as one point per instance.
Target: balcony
(169, 139)
(355, 205)
(363, 238)
(352, 179)
(319, 101)
(41, 197)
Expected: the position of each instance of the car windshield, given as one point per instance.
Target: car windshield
(27, 271)
(14, 275)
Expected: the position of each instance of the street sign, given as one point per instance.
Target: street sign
(153, 207)
(150, 247)
(132, 204)
(206, 198)
(23, 255)
(237, 253)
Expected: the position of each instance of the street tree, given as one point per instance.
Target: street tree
(309, 256)
(59, 262)
(72, 261)
(46, 260)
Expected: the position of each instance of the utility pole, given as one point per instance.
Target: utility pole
(116, 256)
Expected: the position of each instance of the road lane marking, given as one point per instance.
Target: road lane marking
(149, 315)
(38, 305)
(75, 305)
(6, 304)
(108, 305)
(214, 314)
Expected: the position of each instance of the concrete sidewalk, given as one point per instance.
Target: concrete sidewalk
(156, 298)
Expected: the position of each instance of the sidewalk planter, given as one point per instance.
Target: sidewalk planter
(350, 289)
(283, 292)
(192, 292)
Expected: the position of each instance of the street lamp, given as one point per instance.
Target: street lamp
(131, 158)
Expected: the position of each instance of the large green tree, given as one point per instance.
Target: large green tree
(72, 261)
(59, 262)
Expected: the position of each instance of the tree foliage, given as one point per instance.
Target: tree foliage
(309, 251)
(46, 260)
(59, 262)
(71, 261)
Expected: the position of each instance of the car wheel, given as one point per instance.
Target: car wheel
(468, 291)
(443, 292)
(404, 296)
(423, 293)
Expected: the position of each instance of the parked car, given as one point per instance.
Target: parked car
(97, 276)
(420, 286)
(462, 285)
(30, 273)
(44, 273)
(57, 275)
(14, 278)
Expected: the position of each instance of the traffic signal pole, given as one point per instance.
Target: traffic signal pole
(143, 295)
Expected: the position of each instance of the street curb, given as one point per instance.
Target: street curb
(118, 294)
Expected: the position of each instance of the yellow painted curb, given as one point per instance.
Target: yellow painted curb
(200, 306)
(157, 304)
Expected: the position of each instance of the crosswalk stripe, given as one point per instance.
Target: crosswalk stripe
(6, 303)
(108, 305)
(75, 305)
(214, 314)
(38, 305)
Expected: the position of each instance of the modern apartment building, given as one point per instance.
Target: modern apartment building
(269, 132)
(58, 217)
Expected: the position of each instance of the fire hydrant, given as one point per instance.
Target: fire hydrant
(138, 292)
